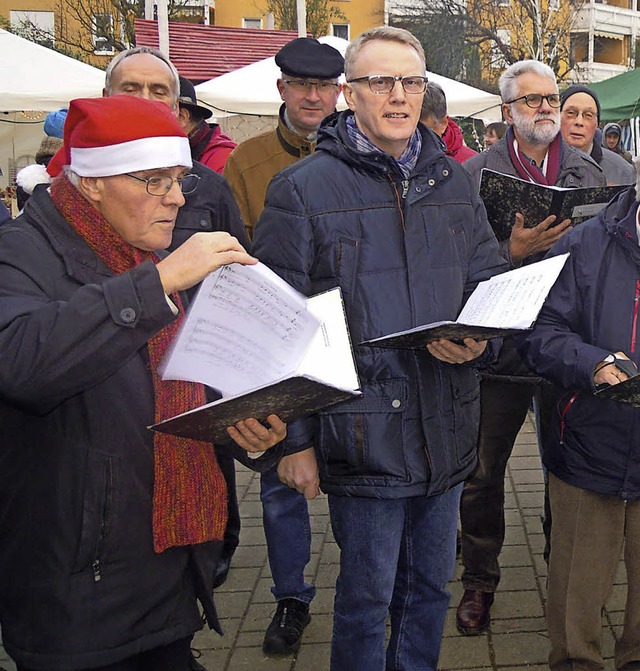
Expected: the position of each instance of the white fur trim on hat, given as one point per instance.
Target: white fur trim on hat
(32, 175)
(144, 154)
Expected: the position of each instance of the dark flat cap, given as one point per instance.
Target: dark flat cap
(188, 99)
(306, 57)
(579, 88)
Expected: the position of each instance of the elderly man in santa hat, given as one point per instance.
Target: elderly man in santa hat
(108, 533)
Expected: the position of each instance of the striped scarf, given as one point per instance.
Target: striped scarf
(406, 163)
(189, 494)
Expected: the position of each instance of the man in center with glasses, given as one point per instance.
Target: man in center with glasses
(381, 212)
(532, 149)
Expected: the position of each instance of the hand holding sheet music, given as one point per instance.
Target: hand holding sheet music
(501, 305)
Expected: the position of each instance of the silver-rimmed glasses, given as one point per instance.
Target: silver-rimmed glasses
(161, 185)
(382, 84)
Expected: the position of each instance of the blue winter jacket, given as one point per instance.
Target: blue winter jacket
(404, 253)
(592, 311)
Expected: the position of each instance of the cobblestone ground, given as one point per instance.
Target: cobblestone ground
(516, 640)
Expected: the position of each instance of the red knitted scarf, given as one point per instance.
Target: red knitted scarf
(189, 496)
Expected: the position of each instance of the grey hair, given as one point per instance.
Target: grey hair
(508, 82)
(386, 33)
(72, 176)
(434, 103)
(141, 50)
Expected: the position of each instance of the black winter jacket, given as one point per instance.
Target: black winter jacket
(80, 583)
(591, 312)
(211, 207)
(404, 253)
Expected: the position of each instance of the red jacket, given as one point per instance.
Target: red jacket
(211, 148)
(456, 147)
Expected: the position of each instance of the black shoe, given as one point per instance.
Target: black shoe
(285, 631)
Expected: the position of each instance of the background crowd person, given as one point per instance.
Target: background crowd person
(613, 140)
(579, 119)
(532, 149)
(434, 115)
(493, 132)
(209, 144)
(146, 73)
(309, 89)
(392, 462)
(110, 532)
(586, 326)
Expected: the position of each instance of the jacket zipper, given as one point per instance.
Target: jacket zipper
(104, 523)
(563, 413)
(405, 189)
(635, 317)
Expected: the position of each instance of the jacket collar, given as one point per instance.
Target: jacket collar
(291, 142)
(334, 139)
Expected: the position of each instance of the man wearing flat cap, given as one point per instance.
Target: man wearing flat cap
(209, 145)
(309, 89)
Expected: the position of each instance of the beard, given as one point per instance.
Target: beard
(531, 132)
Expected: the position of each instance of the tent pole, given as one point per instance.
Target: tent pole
(301, 8)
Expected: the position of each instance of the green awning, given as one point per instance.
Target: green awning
(619, 96)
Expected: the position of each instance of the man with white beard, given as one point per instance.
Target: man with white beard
(532, 149)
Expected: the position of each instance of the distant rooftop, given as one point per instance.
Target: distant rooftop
(201, 52)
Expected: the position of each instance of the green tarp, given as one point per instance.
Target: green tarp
(619, 96)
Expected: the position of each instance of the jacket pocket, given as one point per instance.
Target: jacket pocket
(347, 255)
(366, 436)
(98, 514)
(465, 394)
(191, 220)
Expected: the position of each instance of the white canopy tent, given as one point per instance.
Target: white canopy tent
(42, 79)
(252, 90)
(34, 81)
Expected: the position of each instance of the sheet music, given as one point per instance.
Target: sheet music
(247, 327)
(513, 299)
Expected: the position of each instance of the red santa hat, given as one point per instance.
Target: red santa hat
(119, 134)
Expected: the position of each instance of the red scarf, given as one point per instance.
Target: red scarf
(528, 170)
(189, 494)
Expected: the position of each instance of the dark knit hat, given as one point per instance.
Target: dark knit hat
(306, 57)
(579, 88)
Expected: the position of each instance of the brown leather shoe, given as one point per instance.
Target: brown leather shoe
(472, 616)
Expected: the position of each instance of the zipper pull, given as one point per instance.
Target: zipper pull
(97, 576)
(405, 188)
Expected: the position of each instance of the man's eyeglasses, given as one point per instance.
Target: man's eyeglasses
(573, 114)
(534, 100)
(382, 84)
(304, 85)
(160, 186)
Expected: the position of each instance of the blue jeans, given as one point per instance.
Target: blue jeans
(396, 557)
(285, 517)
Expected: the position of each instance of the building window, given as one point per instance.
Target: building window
(340, 30)
(35, 26)
(497, 57)
(252, 23)
(102, 34)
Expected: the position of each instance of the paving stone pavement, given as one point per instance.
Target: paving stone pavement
(517, 637)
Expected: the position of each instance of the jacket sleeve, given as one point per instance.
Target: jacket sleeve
(283, 240)
(53, 349)
(555, 348)
(238, 186)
